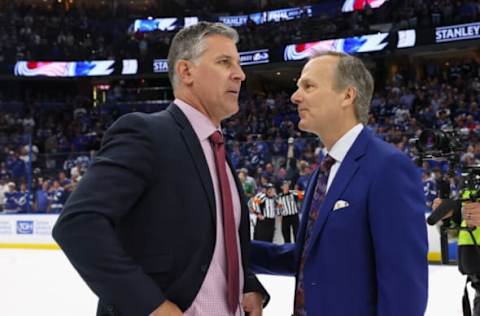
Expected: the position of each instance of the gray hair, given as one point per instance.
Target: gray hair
(189, 44)
(351, 71)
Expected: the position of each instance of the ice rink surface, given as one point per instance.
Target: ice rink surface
(43, 283)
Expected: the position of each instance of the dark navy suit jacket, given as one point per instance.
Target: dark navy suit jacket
(140, 227)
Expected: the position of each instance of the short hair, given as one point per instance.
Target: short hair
(351, 71)
(189, 44)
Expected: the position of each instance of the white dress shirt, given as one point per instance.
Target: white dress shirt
(340, 149)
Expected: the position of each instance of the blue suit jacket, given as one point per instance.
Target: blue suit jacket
(369, 258)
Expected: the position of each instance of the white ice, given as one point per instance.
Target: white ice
(43, 283)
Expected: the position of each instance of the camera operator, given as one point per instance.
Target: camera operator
(457, 203)
(468, 247)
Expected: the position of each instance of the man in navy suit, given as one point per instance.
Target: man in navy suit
(158, 226)
(362, 244)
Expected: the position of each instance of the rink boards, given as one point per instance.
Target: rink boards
(34, 231)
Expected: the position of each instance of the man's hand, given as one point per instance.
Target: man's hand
(253, 303)
(167, 309)
(471, 214)
(436, 203)
(260, 217)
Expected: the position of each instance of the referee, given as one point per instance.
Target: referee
(288, 200)
(266, 212)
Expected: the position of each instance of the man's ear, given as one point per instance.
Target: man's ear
(349, 96)
(184, 68)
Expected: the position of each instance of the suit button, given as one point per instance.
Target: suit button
(203, 268)
(110, 310)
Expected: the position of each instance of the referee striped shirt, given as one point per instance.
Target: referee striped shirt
(255, 202)
(268, 206)
(289, 202)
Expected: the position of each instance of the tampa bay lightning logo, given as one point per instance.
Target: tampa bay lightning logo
(353, 44)
(257, 18)
(148, 25)
(22, 200)
(83, 68)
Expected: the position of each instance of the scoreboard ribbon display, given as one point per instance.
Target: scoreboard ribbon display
(457, 32)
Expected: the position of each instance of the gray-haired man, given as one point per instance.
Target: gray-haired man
(158, 225)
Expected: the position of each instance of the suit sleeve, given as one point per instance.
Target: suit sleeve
(397, 219)
(252, 284)
(268, 258)
(85, 230)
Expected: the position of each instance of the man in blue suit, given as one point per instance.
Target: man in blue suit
(362, 245)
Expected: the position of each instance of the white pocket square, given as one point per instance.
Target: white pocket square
(340, 204)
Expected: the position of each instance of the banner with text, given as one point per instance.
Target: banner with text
(457, 32)
(27, 230)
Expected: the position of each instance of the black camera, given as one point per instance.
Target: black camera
(447, 145)
(433, 144)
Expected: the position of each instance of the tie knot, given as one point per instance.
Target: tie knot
(216, 138)
(327, 163)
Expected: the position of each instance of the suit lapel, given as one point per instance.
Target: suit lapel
(347, 170)
(197, 156)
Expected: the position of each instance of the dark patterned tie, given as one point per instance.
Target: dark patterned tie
(318, 197)
(229, 229)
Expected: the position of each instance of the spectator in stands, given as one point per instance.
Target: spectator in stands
(304, 176)
(429, 188)
(42, 201)
(26, 200)
(16, 166)
(4, 172)
(77, 170)
(10, 201)
(63, 180)
(57, 197)
(248, 183)
(3, 189)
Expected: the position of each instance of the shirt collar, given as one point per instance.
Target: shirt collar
(201, 124)
(342, 146)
